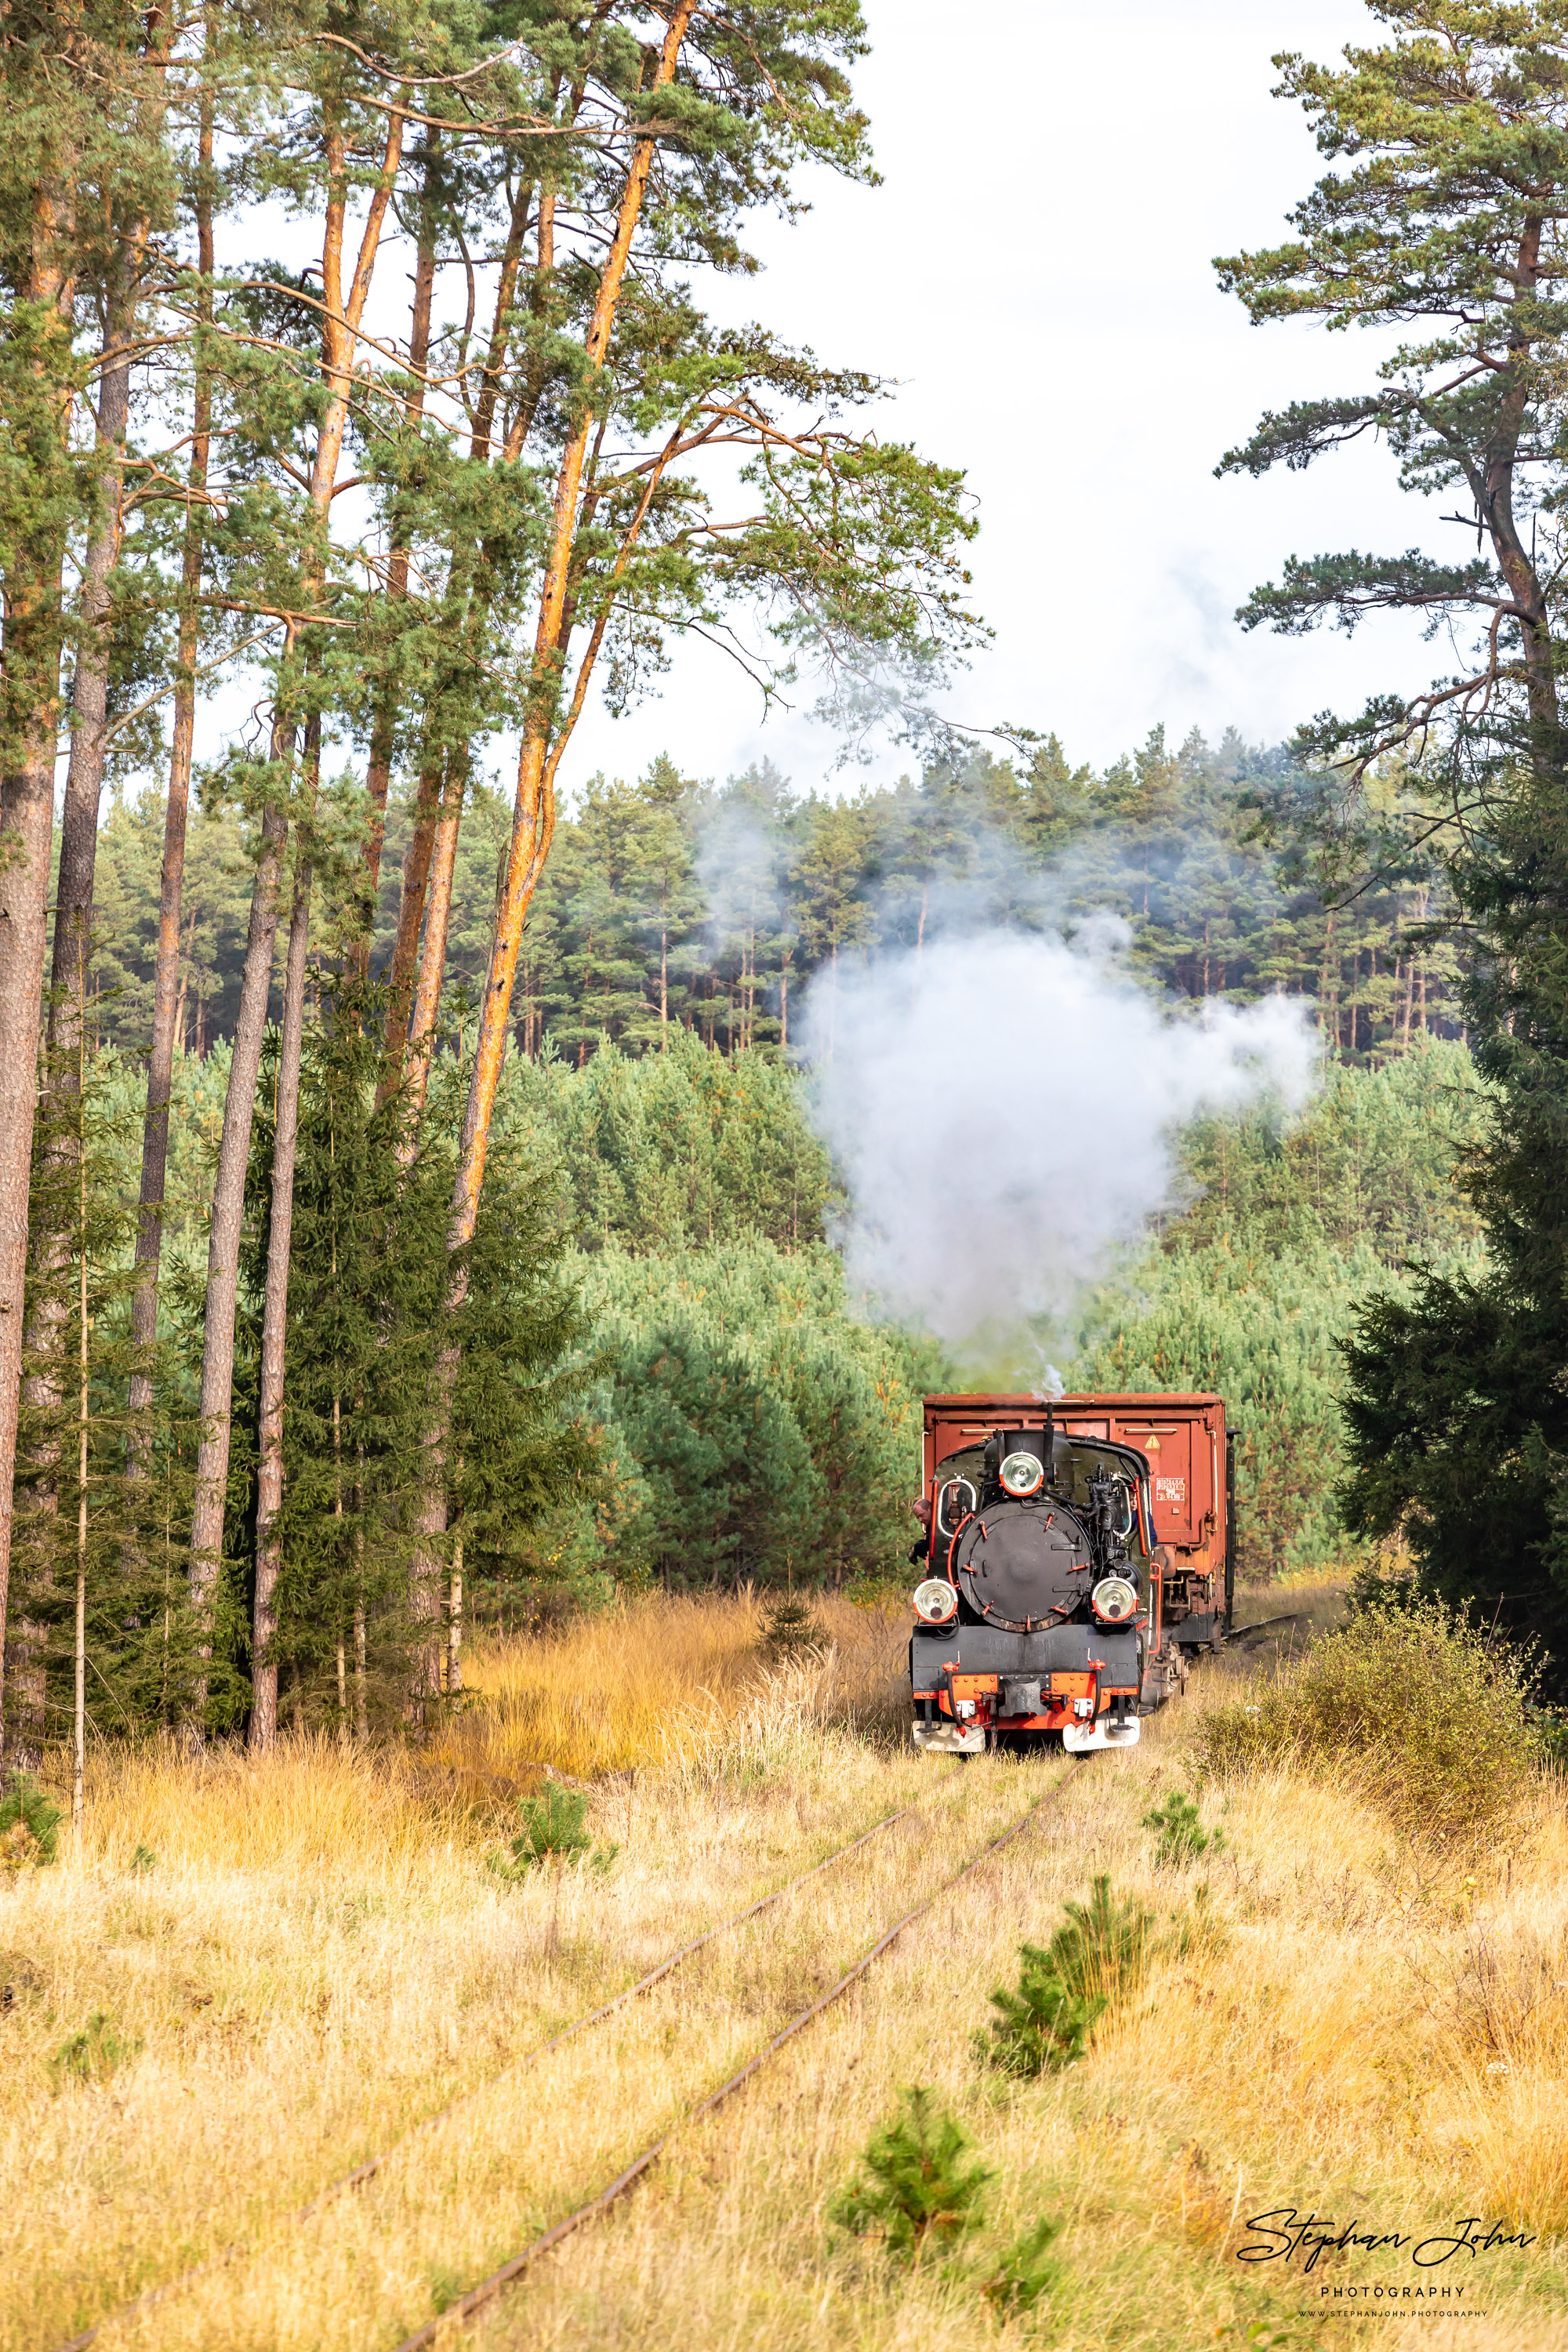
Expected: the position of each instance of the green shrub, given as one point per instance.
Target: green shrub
(1428, 1715)
(1042, 2027)
(1024, 2272)
(92, 2054)
(30, 1824)
(917, 2187)
(753, 1402)
(143, 1860)
(1181, 1837)
(552, 1831)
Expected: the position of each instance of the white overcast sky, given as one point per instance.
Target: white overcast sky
(1035, 271)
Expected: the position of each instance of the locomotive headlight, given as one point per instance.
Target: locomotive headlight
(1023, 1473)
(1114, 1600)
(935, 1601)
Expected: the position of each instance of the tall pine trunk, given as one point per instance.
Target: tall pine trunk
(29, 718)
(340, 326)
(168, 992)
(275, 1301)
(228, 1220)
(437, 923)
(384, 730)
(534, 825)
(78, 1709)
(425, 1573)
(533, 822)
(400, 972)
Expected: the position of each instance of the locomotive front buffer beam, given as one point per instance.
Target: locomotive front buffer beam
(962, 1701)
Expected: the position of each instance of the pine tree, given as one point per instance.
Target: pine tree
(336, 1635)
(1456, 1429)
(67, 87)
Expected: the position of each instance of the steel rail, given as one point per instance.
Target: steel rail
(486, 2292)
(372, 2165)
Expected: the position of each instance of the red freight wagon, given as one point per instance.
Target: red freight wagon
(1100, 1525)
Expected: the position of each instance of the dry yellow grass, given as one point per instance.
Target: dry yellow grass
(649, 1687)
(319, 1957)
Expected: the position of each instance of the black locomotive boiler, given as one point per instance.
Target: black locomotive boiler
(1034, 1616)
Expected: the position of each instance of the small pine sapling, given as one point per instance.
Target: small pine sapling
(917, 2188)
(1042, 2026)
(1181, 1837)
(91, 2055)
(1026, 2271)
(1103, 1948)
(789, 1628)
(553, 1833)
(30, 1824)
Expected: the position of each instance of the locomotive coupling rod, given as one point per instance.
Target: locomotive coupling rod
(488, 2289)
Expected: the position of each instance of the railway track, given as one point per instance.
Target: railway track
(469, 2306)
(364, 2172)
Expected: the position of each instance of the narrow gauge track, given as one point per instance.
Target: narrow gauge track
(468, 2306)
(372, 2165)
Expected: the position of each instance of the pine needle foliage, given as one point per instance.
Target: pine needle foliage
(1026, 2271)
(1180, 1835)
(788, 1629)
(771, 1431)
(374, 1329)
(553, 1833)
(915, 2191)
(1103, 1948)
(1042, 2027)
(30, 1824)
(138, 1481)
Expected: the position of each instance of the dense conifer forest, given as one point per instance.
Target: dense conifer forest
(707, 904)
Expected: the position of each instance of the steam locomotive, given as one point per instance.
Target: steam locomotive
(1077, 1553)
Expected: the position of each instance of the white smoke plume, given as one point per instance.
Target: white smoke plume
(1005, 1109)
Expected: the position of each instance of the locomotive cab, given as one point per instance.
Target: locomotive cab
(1039, 1607)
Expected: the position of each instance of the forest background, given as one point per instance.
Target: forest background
(652, 1071)
(520, 1276)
